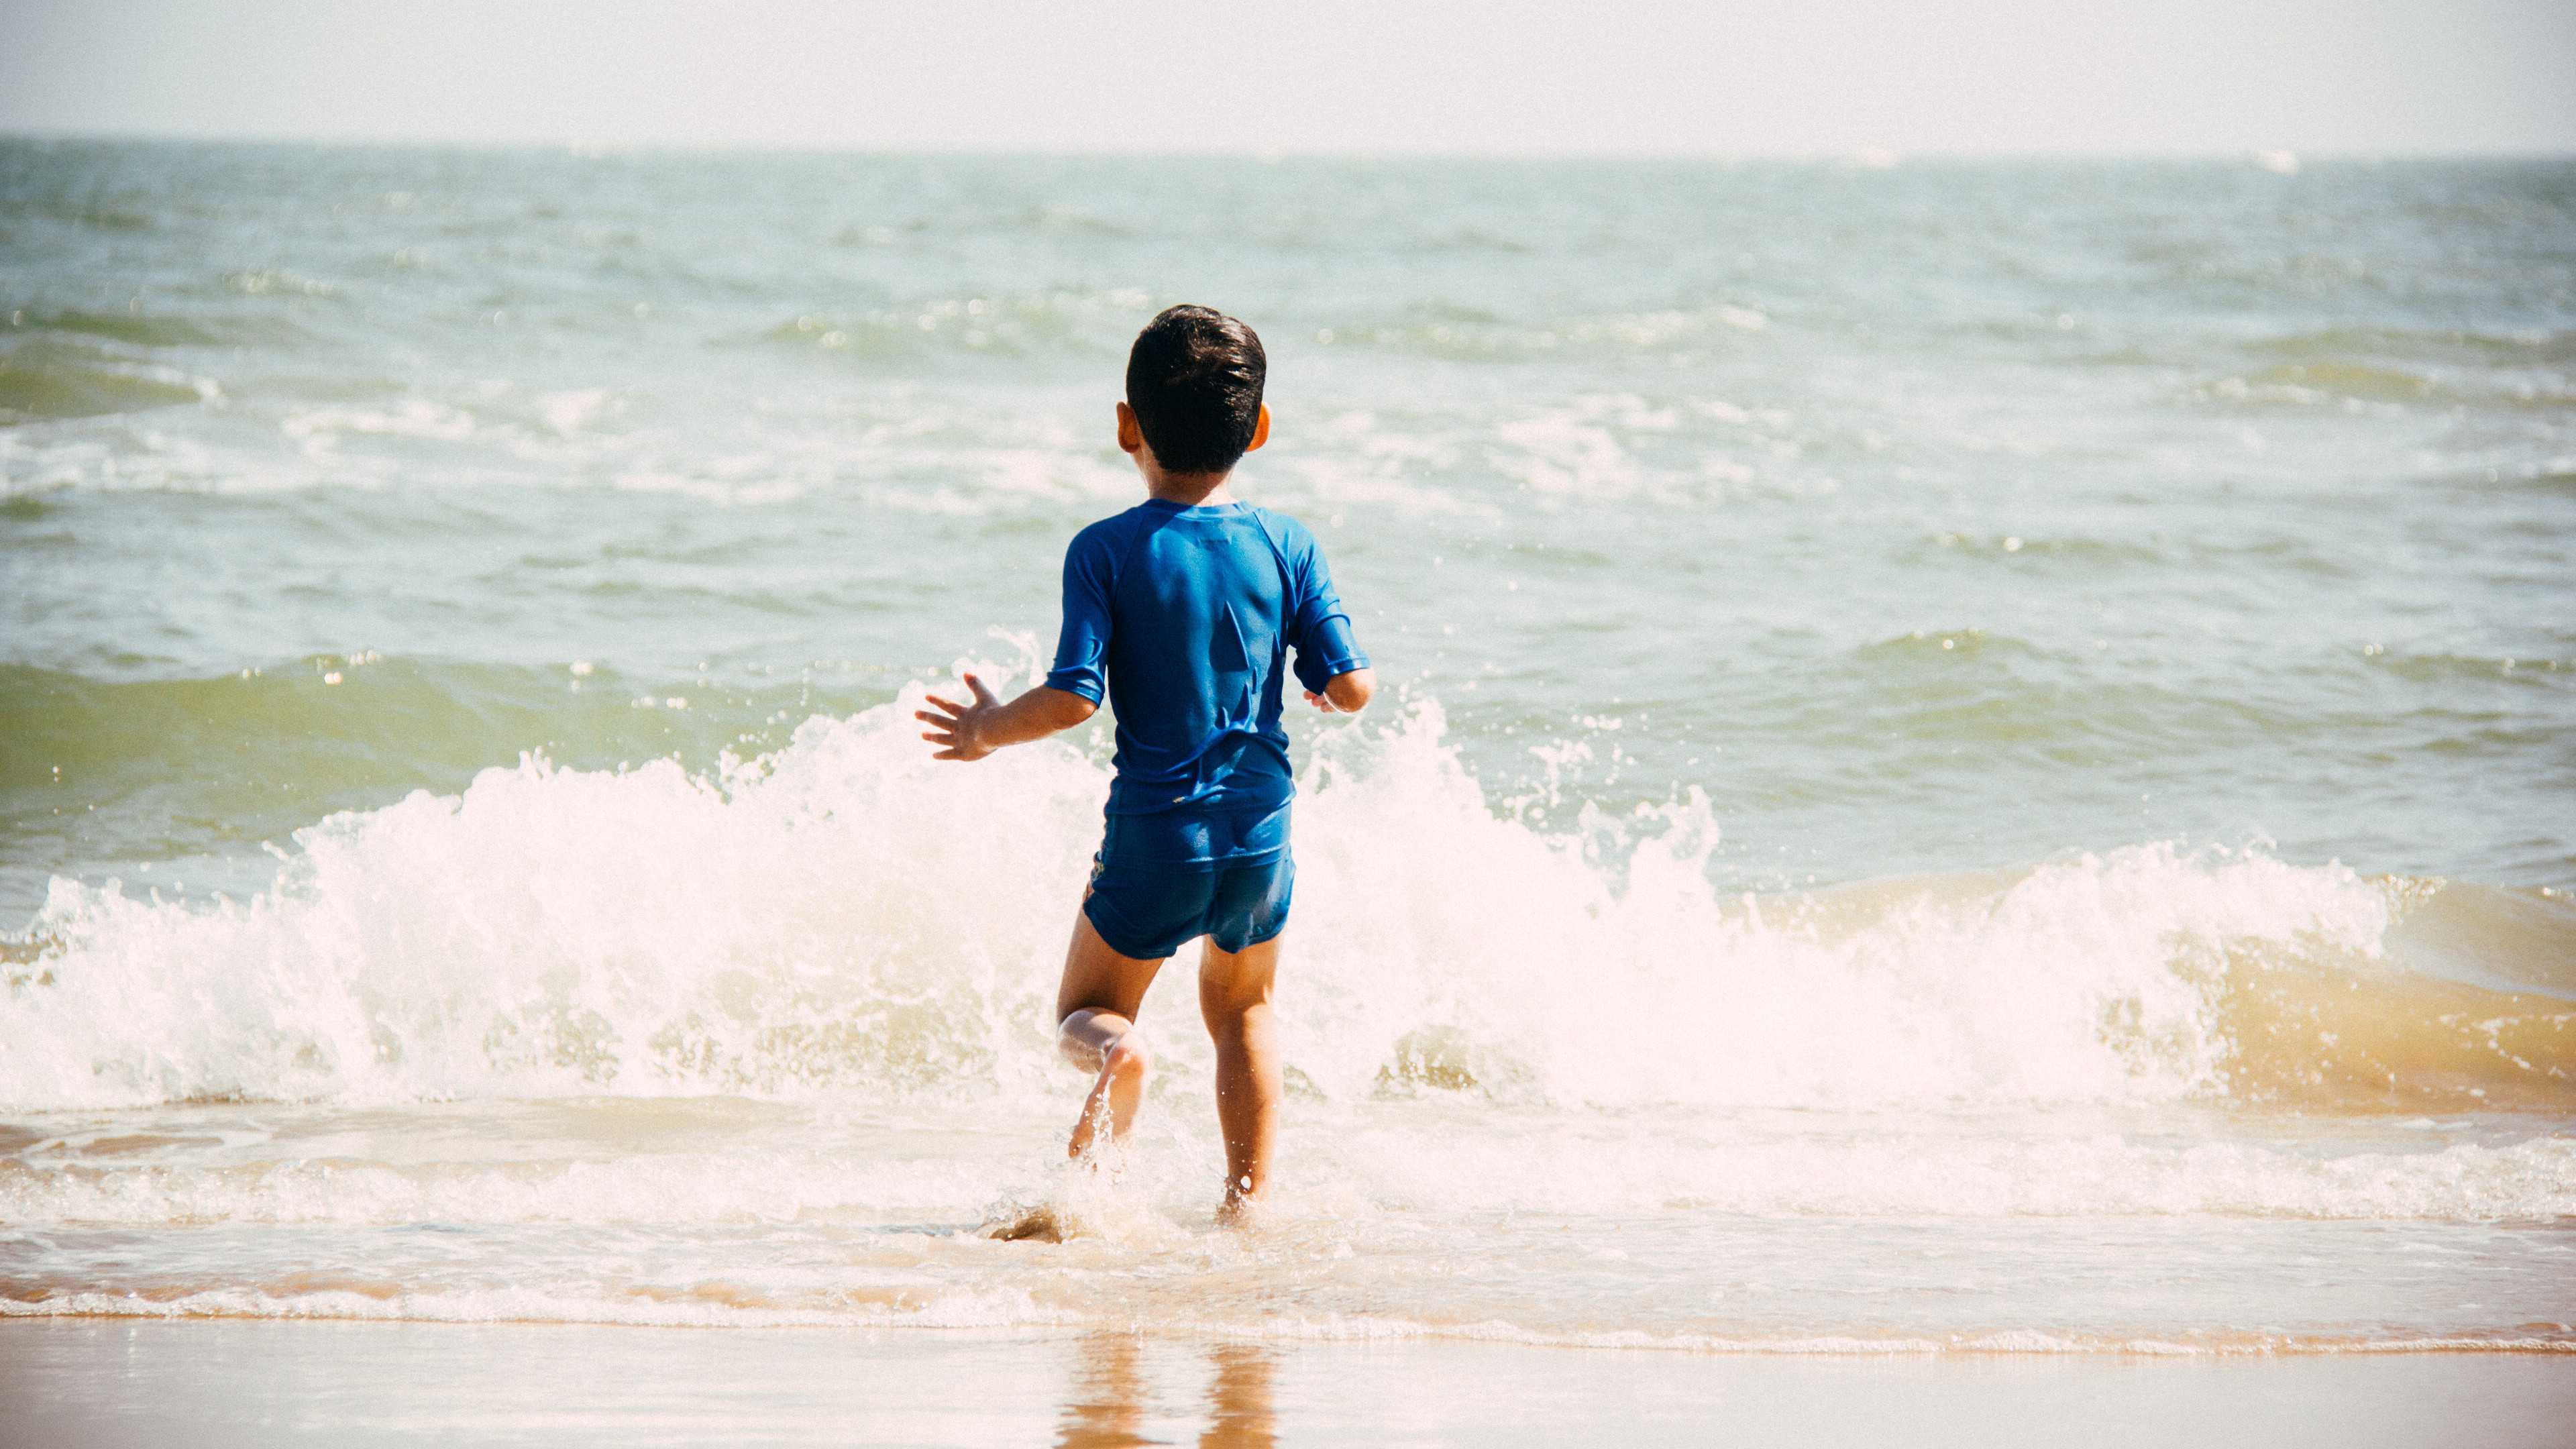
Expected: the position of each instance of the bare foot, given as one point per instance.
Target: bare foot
(1115, 1096)
(1038, 1225)
(1242, 1208)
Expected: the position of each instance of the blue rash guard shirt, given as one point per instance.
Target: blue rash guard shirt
(1182, 617)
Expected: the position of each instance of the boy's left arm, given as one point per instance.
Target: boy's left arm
(984, 724)
(1346, 693)
(1336, 676)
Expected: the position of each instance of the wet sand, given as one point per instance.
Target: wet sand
(111, 1383)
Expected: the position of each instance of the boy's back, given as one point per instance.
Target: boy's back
(1183, 617)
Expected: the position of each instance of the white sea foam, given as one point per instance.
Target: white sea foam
(847, 913)
(319, 429)
(752, 1185)
(1347, 1170)
(1001, 1309)
(1014, 1314)
(1860, 1167)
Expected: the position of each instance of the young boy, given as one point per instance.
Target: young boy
(1183, 609)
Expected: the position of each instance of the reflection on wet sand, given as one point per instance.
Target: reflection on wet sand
(1104, 1405)
(1107, 1403)
(1240, 1412)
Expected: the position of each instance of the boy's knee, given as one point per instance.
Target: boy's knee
(1128, 1056)
(1089, 1041)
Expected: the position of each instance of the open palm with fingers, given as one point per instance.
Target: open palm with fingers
(955, 726)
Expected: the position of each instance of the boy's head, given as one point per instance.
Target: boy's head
(1194, 382)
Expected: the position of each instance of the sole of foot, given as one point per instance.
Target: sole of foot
(1040, 1225)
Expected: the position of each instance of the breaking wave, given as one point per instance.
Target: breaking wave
(846, 914)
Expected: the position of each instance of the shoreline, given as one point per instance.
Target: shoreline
(1336, 1331)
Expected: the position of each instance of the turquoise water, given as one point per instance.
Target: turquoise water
(1923, 698)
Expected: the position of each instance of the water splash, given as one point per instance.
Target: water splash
(846, 914)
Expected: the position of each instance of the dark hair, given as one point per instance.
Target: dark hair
(1194, 379)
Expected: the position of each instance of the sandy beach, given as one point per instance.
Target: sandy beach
(115, 1384)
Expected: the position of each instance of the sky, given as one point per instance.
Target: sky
(1609, 77)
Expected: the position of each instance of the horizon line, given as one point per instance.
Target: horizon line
(1855, 158)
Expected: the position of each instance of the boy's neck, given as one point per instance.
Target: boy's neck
(1190, 490)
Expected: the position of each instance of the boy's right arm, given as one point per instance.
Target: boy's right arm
(975, 729)
(1072, 689)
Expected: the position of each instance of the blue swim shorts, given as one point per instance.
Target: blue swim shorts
(1149, 914)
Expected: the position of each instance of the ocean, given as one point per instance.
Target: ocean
(1975, 757)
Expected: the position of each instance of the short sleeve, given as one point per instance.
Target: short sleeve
(1318, 626)
(1082, 646)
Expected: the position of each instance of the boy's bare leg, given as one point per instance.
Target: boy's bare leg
(1234, 998)
(1096, 1012)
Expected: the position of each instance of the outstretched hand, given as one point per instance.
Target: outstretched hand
(956, 727)
(1319, 702)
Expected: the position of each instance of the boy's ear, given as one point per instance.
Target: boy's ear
(1260, 429)
(1131, 434)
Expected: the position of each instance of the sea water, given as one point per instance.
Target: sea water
(1975, 756)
